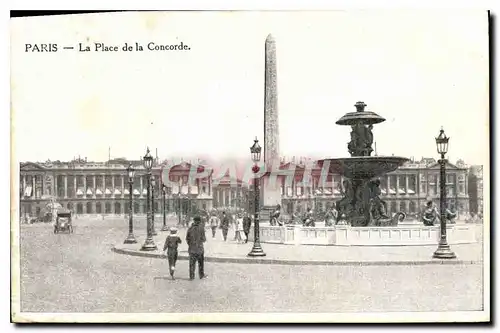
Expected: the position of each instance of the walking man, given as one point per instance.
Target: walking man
(247, 222)
(171, 244)
(224, 225)
(214, 223)
(195, 238)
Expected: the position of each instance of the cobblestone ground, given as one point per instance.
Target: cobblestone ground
(79, 273)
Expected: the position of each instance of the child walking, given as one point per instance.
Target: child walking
(171, 244)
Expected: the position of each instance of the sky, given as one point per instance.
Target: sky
(419, 69)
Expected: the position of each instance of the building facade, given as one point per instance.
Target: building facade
(406, 189)
(476, 189)
(89, 188)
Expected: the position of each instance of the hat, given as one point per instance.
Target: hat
(197, 219)
(173, 230)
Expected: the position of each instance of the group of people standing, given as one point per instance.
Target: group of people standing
(240, 222)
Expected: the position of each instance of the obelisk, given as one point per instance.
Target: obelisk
(271, 125)
(271, 189)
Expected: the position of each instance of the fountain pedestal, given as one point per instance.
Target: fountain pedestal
(361, 204)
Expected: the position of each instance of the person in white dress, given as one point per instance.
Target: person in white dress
(239, 228)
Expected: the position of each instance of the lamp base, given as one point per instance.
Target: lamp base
(149, 245)
(130, 239)
(444, 252)
(256, 251)
(165, 228)
(154, 233)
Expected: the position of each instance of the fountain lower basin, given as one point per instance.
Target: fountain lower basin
(401, 235)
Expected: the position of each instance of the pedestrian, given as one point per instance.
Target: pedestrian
(239, 228)
(247, 222)
(224, 225)
(195, 238)
(214, 223)
(171, 244)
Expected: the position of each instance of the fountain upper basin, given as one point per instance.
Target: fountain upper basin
(364, 167)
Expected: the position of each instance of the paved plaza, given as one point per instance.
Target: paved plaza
(80, 273)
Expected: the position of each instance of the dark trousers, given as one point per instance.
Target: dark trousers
(214, 230)
(193, 259)
(172, 259)
(224, 233)
(246, 235)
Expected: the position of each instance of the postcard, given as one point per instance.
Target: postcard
(250, 167)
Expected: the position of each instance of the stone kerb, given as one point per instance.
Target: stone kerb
(417, 234)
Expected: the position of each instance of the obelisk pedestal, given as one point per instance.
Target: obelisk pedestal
(270, 186)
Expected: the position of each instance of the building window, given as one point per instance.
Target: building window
(89, 208)
(98, 208)
(118, 208)
(79, 208)
(107, 208)
(413, 208)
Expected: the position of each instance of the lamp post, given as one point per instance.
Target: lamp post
(131, 238)
(164, 192)
(149, 244)
(443, 251)
(179, 208)
(256, 249)
(153, 184)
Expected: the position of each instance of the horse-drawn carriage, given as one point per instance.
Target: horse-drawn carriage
(63, 222)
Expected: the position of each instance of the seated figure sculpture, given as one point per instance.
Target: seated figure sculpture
(331, 217)
(430, 215)
(275, 215)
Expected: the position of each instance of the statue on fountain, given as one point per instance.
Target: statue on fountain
(331, 217)
(275, 215)
(308, 219)
(378, 207)
(361, 140)
(431, 215)
(344, 205)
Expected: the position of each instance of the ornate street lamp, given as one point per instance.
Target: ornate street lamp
(131, 238)
(443, 251)
(164, 193)
(153, 184)
(256, 249)
(149, 244)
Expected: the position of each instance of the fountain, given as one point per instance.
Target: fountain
(361, 204)
(365, 221)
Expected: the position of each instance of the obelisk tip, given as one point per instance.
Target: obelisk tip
(270, 38)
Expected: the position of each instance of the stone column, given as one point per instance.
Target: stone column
(94, 183)
(24, 184)
(397, 186)
(65, 186)
(55, 186)
(113, 185)
(74, 185)
(104, 185)
(141, 179)
(33, 179)
(406, 183)
(123, 187)
(85, 188)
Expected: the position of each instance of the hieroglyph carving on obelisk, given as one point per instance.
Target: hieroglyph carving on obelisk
(271, 126)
